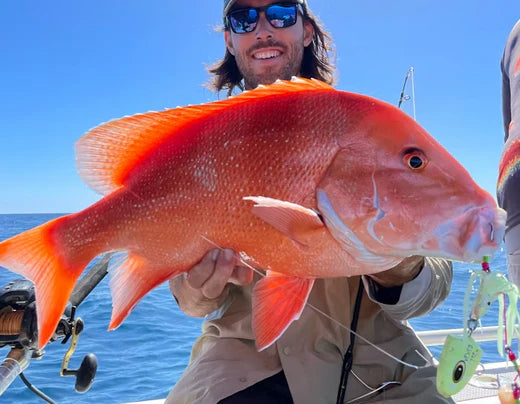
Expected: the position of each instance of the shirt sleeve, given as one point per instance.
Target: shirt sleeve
(421, 295)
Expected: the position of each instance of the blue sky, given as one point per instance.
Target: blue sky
(69, 66)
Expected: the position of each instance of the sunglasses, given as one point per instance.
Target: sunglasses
(279, 15)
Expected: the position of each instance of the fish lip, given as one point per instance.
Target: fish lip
(482, 231)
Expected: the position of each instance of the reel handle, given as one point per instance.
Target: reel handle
(85, 374)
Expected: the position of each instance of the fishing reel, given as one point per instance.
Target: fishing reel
(18, 329)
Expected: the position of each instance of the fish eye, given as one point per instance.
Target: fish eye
(414, 159)
(415, 162)
(458, 372)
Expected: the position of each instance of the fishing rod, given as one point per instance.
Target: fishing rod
(18, 329)
(406, 97)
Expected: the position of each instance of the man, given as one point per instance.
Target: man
(509, 177)
(266, 41)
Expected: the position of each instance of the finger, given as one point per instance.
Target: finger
(241, 276)
(413, 260)
(216, 283)
(200, 273)
(413, 263)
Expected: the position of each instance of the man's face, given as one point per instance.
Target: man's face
(268, 53)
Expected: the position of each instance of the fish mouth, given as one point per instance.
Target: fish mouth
(476, 233)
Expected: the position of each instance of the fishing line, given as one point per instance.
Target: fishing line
(360, 380)
(327, 316)
(430, 360)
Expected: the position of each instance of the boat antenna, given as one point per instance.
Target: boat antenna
(406, 97)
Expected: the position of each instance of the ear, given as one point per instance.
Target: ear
(229, 42)
(308, 33)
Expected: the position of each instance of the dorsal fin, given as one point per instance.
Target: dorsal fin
(107, 154)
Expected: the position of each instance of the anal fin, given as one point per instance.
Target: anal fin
(132, 277)
(278, 300)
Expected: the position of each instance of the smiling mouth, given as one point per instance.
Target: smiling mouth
(262, 55)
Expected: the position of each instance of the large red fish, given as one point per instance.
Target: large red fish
(307, 181)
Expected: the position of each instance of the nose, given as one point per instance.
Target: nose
(264, 29)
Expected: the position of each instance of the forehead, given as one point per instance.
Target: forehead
(253, 3)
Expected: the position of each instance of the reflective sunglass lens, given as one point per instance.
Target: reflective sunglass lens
(243, 20)
(278, 15)
(281, 16)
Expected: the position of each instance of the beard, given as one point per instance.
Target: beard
(285, 71)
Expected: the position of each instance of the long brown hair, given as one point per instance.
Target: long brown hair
(316, 62)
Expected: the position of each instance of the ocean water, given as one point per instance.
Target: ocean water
(144, 357)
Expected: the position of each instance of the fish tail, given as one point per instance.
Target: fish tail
(40, 255)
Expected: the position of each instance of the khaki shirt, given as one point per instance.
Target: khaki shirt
(224, 359)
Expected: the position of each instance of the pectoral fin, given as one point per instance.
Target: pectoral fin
(278, 300)
(293, 220)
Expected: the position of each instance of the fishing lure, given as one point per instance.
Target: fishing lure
(461, 355)
(459, 359)
(495, 286)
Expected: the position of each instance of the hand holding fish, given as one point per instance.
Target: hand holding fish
(205, 287)
(402, 273)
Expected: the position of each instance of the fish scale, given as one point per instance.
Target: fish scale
(307, 181)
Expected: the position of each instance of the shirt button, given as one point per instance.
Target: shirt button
(243, 379)
(287, 350)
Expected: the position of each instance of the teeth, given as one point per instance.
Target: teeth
(266, 55)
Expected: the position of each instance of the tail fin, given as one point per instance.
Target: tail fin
(36, 255)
